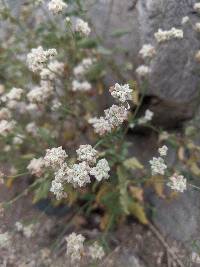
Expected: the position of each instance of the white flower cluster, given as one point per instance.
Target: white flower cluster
(77, 174)
(76, 248)
(163, 151)
(40, 94)
(147, 51)
(6, 127)
(158, 165)
(122, 93)
(173, 33)
(96, 252)
(197, 26)
(197, 7)
(81, 69)
(81, 86)
(116, 114)
(82, 27)
(56, 6)
(177, 183)
(147, 117)
(12, 98)
(36, 166)
(5, 114)
(55, 157)
(32, 128)
(143, 71)
(54, 68)
(185, 20)
(38, 57)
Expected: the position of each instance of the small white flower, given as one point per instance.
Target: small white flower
(158, 166)
(177, 183)
(19, 139)
(58, 189)
(143, 71)
(185, 20)
(78, 175)
(55, 157)
(56, 6)
(173, 33)
(82, 27)
(147, 51)
(14, 94)
(116, 115)
(75, 246)
(96, 251)
(36, 166)
(147, 117)
(101, 125)
(42, 93)
(197, 27)
(87, 153)
(121, 92)
(54, 69)
(101, 171)
(38, 57)
(81, 86)
(195, 258)
(6, 127)
(81, 69)
(163, 150)
(32, 128)
(5, 114)
(197, 7)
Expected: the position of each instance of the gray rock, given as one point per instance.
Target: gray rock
(175, 74)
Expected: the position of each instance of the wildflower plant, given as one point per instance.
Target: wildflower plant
(52, 128)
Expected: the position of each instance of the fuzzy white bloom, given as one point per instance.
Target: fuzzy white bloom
(143, 71)
(147, 117)
(116, 115)
(195, 258)
(101, 125)
(81, 86)
(147, 51)
(36, 166)
(177, 183)
(81, 69)
(42, 93)
(18, 140)
(5, 240)
(5, 114)
(54, 69)
(14, 94)
(185, 20)
(6, 127)
(197, 27)
(121, 92)
(101, 171)
(2, 89)
(58, 190)
(158, 166)
(32, 128)
(75, 246)
(197, 7)
(163, 151)
(78, 175)
(38, 57)
(82, 27)
(96, 252)
(87, 153)
(56, 6)
(173, 33)
(56, 104)
(27, 230)
(55, 157)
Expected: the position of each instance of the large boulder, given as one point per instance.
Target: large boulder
(174, 78)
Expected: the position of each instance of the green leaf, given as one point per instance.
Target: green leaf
(133, 163)
(123, 185)
(119, 33)
(42, 191)
(136, 209)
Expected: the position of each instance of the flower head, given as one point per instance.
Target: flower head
(82, 27)
(121, 92)
(87, 153)
(96, 251)
(56, 6)
(55, 157)
(101, 171)
(177, 183)
(158, 166)
(75, 246)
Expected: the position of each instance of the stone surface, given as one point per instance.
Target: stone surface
(174, 80)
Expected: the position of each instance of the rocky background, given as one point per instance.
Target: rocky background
(172, 93)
